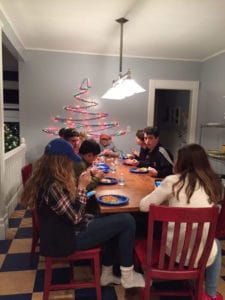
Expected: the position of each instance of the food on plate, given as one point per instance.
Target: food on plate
(106, 180)
(109, 199)
(141, 169)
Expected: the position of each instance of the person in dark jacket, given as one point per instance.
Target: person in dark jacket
(158, 159)
(65, 227)
(141, 154)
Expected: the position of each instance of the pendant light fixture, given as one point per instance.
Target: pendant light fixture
(124, 86)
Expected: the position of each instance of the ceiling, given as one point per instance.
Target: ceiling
(170, 29)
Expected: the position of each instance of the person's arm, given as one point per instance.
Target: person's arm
(159, 163)
(164, 164)
(143, 164)
(158, 196)
(79, 167)
(62, 205)
(111, 150)
(165, 170)
(96, 176)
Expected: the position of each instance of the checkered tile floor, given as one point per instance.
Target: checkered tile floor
(21, 281)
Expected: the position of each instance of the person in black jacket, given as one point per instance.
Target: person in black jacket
(138, 155)
(65, 226)
(158, 159)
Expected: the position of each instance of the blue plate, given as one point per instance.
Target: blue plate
(139, 170)
(103, 167)
(108, 181)
(116, 200)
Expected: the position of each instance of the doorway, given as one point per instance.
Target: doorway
(172, 107)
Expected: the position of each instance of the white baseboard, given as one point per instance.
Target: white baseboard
(9, 210)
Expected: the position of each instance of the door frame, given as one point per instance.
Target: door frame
(192, 86)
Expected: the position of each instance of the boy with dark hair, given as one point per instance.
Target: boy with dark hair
(61, 132)
(158, 159)
(73, 137)
(89, 151)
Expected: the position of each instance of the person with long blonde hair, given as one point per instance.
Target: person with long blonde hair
(194, 184)
(64, 224)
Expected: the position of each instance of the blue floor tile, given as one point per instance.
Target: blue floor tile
(27, 214)
(19, 207)
(14, 223)
(60, 275)
(25, 232)
(4, 246)
(39, 281)
(17, 262)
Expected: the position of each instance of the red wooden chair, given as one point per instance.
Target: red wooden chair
(220, 229)
(92, 254)
(35, 234)
(26, 172)
(151, 255)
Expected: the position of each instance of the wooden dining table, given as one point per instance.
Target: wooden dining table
(135, 188)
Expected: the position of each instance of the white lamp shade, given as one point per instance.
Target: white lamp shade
(123, 88)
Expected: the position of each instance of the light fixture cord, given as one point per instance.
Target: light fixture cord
(121, 21)
(121, 48)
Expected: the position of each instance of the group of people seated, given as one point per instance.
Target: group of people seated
(58, 189)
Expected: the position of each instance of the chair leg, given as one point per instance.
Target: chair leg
(71, 271)
(97, 277)
(48, 278)
(35, 239)
(147, 289)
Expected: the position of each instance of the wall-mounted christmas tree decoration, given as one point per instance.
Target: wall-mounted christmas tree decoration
(83, 120)
(11, 137)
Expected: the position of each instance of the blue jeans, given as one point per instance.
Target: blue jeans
(116, 231)
(212, 273)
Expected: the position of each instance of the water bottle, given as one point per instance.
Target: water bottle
(113, 167)
(121, 179)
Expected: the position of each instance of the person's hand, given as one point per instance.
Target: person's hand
(109, 152)
(131, 162)
(129, 155)
(97, 173)
(152, 172)
(84, 180)
(100, 174)
(134, 152)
